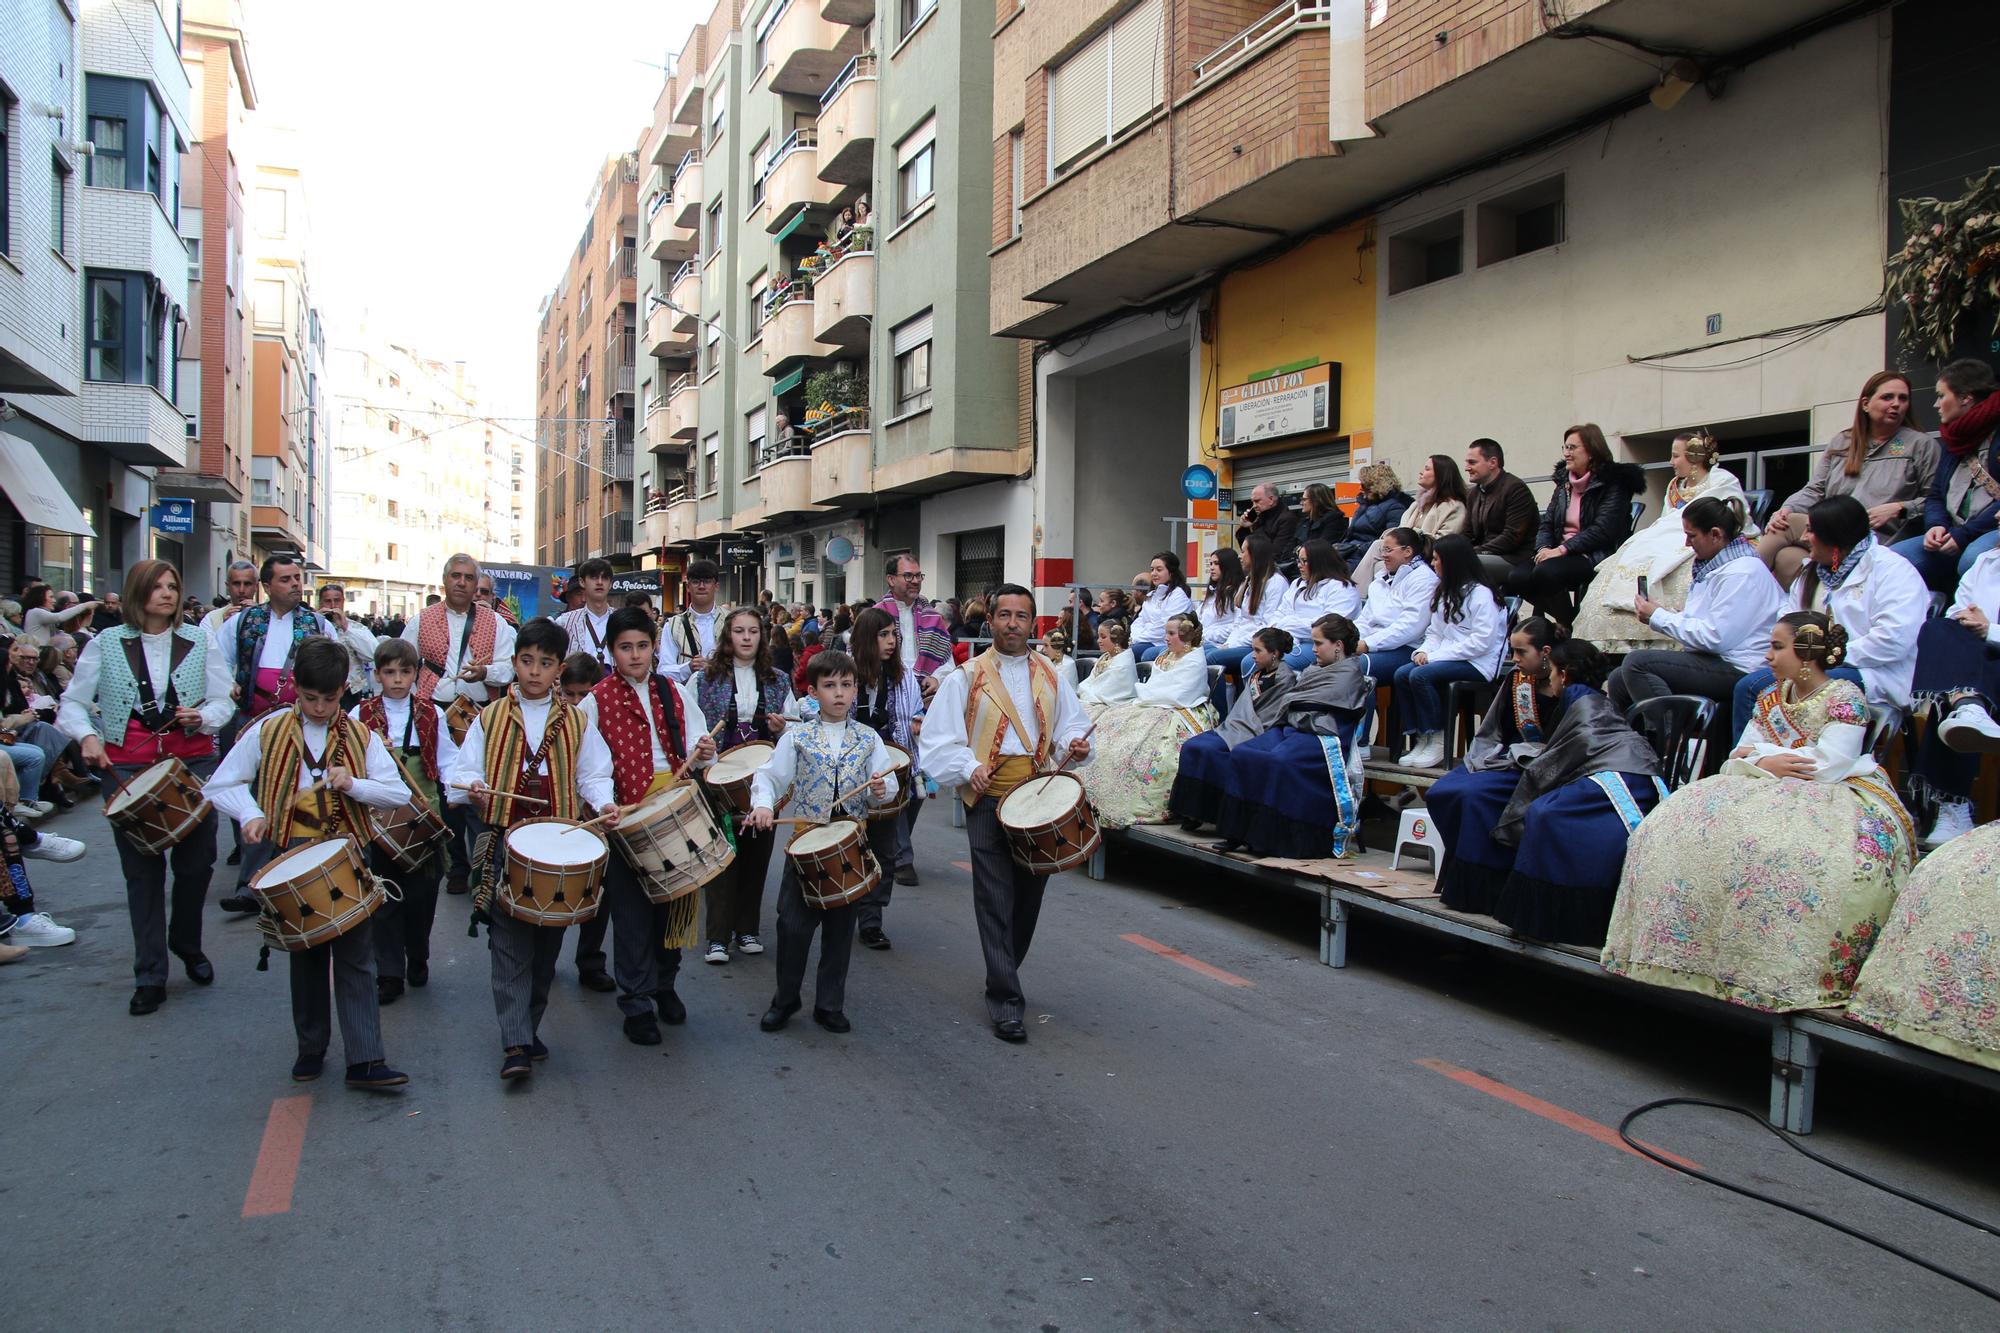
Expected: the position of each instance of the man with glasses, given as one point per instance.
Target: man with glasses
(354, 636)
(924, 640)
(690, 638)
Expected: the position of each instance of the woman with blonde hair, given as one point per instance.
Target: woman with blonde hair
(1139, 743)
(1381, 507)
(1438, 511)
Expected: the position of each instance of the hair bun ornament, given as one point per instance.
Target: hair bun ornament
(1836, 644)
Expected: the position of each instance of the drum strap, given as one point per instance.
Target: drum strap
(154, 715)
(683, 913)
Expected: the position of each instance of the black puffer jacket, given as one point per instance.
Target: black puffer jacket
(1605, 519)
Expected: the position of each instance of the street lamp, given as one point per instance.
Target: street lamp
(658, 300)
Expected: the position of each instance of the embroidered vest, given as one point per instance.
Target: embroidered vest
(375, 717)
(118, 688)
(990, 711)
(253, 626)
(508, 760)
(434, 643)
(823, 770)
(292, 812)
(628, 737)
(717, 697)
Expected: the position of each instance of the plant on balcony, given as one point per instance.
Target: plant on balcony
(834, 390)
(1947, 275)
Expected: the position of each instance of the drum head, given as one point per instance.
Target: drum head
(740, 761)
(825, 836)
(302, 859)
(899, 758)
(143, 784)
(656, 805)
(555, 844)
(1040, 801)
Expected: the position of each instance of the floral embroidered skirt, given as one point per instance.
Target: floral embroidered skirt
(1764, 892)
(1138, 755)
(1934, 977)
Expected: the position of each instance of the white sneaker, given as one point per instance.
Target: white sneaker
(748, 944)
(42, 808)
(26, 813)
(38, 930)
(1429, 752)
(1970, 729)
(1952, 820)
(52, 847)
(717, 953)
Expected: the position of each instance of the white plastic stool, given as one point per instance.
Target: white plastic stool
(1418, 830)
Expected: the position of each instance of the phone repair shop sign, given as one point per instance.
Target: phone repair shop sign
(1299, 401)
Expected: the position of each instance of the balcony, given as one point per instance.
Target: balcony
(785, 479)
(806, 51)
(857, 12)
(673, 142)
(683, 408)
(685, 292)
(843, 459)
(666, 240)
(788, 334)
(844, 301)
(792, 180)
(847, 116)
(657, 425)
(662, 338)
(622, 377)
(687, 191)
(135, 424)
(689, 64)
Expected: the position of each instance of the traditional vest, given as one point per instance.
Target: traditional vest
(686, 634)
(424, 724)
(990, 711)
(118, 690)
(434, 643)
(583, 635)
(823, 770)
(628, 737)
(509, 761)
(253, 626)
(292, 812)
(717, 696)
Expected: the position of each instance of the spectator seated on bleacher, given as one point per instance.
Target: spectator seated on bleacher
(1115, 678)
(1963, 507)
(1264, 591)
(1397, 610)
(1438, 511)
(1055, 647)
(1221, 610)
(1168, 597)
(1272, 519)
(1381, 507)
(1958, 675)
(1588, 517)
(1500, 513)
(1200, 783)
(1465, 639)
(1138, 744)
(1322, 589)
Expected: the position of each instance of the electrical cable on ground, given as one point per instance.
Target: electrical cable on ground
(1653, 1154)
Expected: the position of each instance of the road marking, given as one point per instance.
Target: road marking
(278, 1159)
(1193, 964)
(966, 866)
(1546, 1110)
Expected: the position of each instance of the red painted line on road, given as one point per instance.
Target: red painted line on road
(966, 866)
(1191, 963)
(278, 1159)
(1547, 1110)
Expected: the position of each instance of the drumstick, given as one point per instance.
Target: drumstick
(497, 795)
(688, 762)
(1065, 762)
(837, 801)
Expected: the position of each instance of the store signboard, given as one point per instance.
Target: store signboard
(1296, 402)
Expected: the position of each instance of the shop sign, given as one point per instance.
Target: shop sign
(1296, 402)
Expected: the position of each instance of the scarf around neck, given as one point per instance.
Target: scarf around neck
(1831, 579)
(1969, 427)
(1728, 555)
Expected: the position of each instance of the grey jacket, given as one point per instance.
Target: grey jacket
(1897, 470)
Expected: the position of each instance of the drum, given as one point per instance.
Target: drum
(834, 866)
(409, 834)
(728, 778)
(674, 842)
(554, 873)
(904, 775)
(1048, 824)
(316, 893)
(459, 717)
(159, 807)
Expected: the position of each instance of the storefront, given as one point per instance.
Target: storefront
(821, 566)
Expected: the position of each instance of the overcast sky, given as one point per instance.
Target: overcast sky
(450, 147)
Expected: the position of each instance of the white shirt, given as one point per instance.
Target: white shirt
(774, 779)
(1216, 624)
(1729, 613)
(1398, 608)
(1182, 683)
(585, 628)
(672, 664)
(906, 629)
(214, 620)
(277, 644)
(397, 714)
(1303, 605)
(593, 757)
(1881, 605)
(749, 701)
(1478, 636)
(1836, 755)
(1264, 617)
(697, 725)
(1162, 605)
(232, 787)
(360, 642)
(1980, 587)
(79, 701)
(498, 674)
(1114, 680)
(945, 752)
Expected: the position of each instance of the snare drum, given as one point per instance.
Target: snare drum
(674, 843)
(903, 773)
(459, 717)
(159, 807)
(1049, 825)
(728, 778)
(409, 834)
(316, 893)
(834, 866)
(554, 873)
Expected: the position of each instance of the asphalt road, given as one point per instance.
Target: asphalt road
(1230, 1137)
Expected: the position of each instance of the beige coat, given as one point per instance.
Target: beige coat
(1897, 470)
(1441, 521)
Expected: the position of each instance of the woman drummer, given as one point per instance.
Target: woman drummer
(145, 691)
(742, 688)
(887, 699)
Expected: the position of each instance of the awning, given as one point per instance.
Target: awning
(787, 383)
(35, 491)
(793, 225)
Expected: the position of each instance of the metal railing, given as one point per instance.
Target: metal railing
(804, 137)
(1273, 27)
(791, 446)
(658, 202)
(836, 423)
(861, 67)
(683, 381)
(688, 269)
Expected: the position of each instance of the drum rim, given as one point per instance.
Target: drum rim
(569, 826)
(131, 792)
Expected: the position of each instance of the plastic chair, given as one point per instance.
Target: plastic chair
(1461, 698)
(1760, 503)
(1676, 726)
(1638, 508)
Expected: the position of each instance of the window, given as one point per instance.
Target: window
(267, 303)
(914, 12)
(711, 449)
(980, 561)
(107, 159)
(271, 206)
(718, 106)
(128, 320)
(6, 173)
(59, 174)
(135, 147)
(1521, 221)
(107, 329)
(760, 167)
(753, 437)
(911, 343)
(712, 338)
(712, 242)
(761, 52)
(759, 289)
(1016, 151)
(916, 160)
(1105, 88)
(1428, 253)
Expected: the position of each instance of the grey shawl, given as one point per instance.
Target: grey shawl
(1320, 691)
(1592, 737)
(1252, 717)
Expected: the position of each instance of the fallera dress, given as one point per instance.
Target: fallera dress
(1138, 743)
(1660, 552)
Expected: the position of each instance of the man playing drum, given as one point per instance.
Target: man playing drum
(991, 726)
(297, 775)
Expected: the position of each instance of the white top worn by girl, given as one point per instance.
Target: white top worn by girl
(1478, 636)
(1264, 617)
(1113, 680)
(1729, 613)
(1398, 608)
(1217, 625)
(1979, 587)
(1881, 605)
(1181, 683)
(1162, 605)
(1303, 605)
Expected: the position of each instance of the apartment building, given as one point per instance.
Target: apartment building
(819, 380)
(419, 474)
(289, 473)
(1278, 240)
(586, 353)
(93, 285)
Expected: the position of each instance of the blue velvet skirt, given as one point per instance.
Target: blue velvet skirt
(1565, 875)
(1203, 778)
(1278, 797)
(1464, 806)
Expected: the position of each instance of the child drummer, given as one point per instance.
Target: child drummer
(740, 688)
(819, 762)
(528, 743)
(300, 774)
(420, 742)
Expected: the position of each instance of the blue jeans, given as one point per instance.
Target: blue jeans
(29, 765)
(1146, 652)
(1420, 692)
(1743, 703)
(1383, 666)
(1943, 569)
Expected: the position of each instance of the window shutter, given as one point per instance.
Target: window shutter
(756, 424)
(1077, 102)
(920, 138)
(912, 335)
(1135, 64)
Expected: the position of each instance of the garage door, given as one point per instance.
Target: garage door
(1290, 470)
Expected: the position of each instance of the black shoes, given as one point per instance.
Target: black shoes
(199, 970)
(420, 975)
(307, 1067)
(832, 1020)
(388, 990)
(598, 980)
(235, 856)
(908, 875)
(872, 938)
(1010, 1029)
(672, 1012)
(537, 1051)
(1190, 825)
(641, 1030)
(145, 1000)
(375, 1074)
(516, 1063)
(456, 885)
(1226, 845)
(778, 1015)
(237, 902)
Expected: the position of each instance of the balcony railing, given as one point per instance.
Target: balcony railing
(806, 136)
(658, 202)
(789, 292)
(680, 382)
(692, 158)
(861, 67)
(837, 422)
(1273, 27)
(792, 446)
(688, 269)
